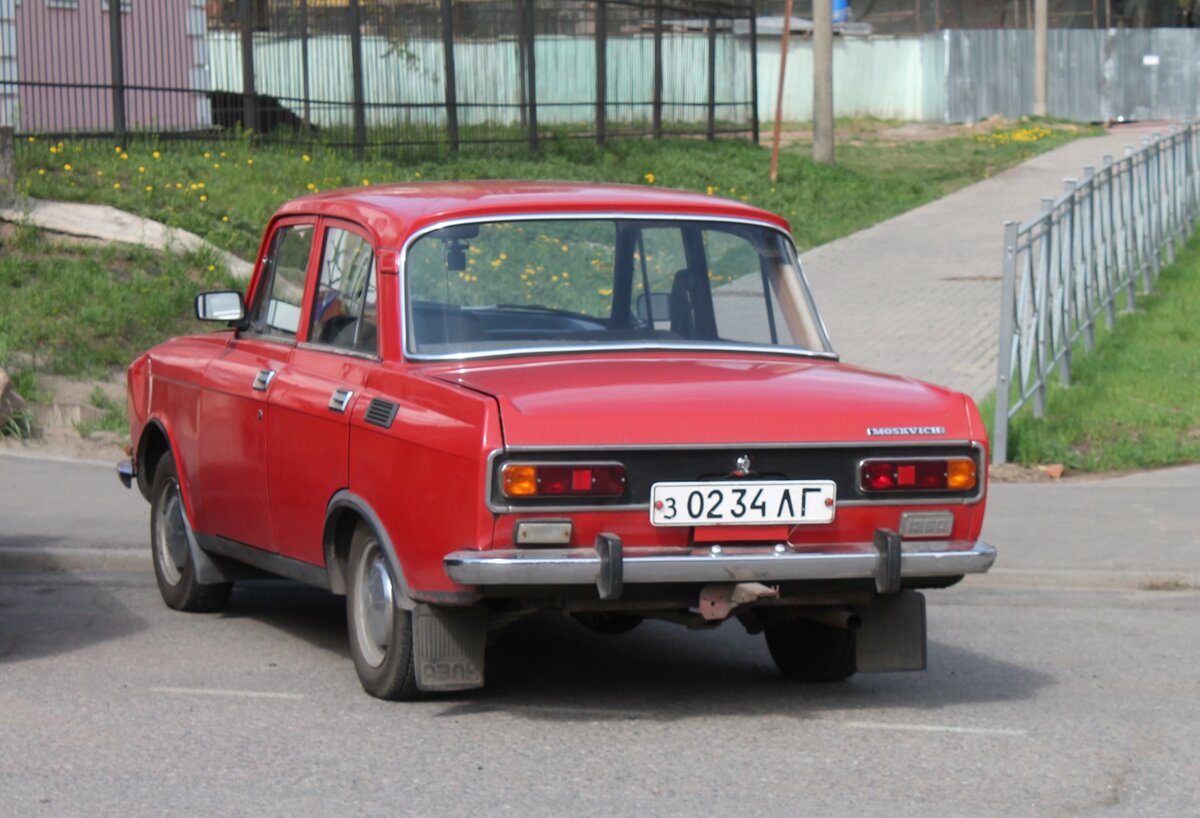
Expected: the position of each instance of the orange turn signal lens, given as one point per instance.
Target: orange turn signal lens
(519, 480)
(960, 474)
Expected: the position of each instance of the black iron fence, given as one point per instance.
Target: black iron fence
(367, 73)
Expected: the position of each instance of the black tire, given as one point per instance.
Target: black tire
(610, 623)
(812, 651)
(381, 633)
(173, 566)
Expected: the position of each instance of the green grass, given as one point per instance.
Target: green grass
(1134, 402)
(83, 310)
(226, 190)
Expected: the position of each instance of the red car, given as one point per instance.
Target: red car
(461, 403)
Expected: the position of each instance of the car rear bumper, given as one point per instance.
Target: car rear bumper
(887, 560)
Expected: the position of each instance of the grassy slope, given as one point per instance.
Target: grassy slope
(225, 191)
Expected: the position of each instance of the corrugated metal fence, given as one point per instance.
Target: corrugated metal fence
(1082, 257)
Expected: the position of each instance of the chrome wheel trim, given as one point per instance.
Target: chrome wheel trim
(374, 605)
(170, 535)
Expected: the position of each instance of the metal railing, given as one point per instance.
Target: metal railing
(1082, 257)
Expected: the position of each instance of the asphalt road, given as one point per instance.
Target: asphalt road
(1061, 699)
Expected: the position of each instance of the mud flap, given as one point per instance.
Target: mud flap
(892, 635)
(448, 646)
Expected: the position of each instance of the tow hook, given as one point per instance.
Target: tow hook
(718, 601)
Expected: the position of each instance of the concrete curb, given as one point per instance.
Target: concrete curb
(1087, 580)
(110, 224)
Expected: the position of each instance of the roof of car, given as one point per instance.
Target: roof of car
(394, 211)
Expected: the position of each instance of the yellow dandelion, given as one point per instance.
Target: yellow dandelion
(179, 185)
(67, 167)
(156, 155)
(649, 177)
(200, 185)
(417, 175)
(216, 165)
(124, 156)
(566, 274)
(41, 171)
(471, 262)
(194, 186)
(249, 161)
(99, 173)
(141, 168)
(116, 185)
(565, 248)
(225, 219)
(306, 158)
(495, 262)
(118, 149)
(710, 190)
(222, 154)
(149, 188)
(504, 256)
(311, 186)
(605, 291)
(31, 140)
(203, 198)
(212, 268)
(554, 278)
(53, 149)
(366, 182)
(207, 155)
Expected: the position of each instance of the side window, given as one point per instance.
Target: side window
(345, 310)
(281, 292)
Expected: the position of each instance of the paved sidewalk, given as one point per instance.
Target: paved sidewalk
(919, 294)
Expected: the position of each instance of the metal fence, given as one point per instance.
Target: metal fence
(379, 72)
(1082, 258)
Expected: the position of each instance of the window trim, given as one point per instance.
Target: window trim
(310, 297)
(246, 333)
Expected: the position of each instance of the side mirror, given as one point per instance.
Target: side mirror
(221, 305)
(656, 306)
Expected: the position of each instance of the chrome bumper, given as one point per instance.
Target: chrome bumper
(887, 560)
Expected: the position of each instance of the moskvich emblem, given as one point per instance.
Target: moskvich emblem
(743, 464)
(905, 431)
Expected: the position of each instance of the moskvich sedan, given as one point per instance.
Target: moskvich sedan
(458, 404)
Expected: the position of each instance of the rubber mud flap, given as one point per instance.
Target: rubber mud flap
(448, 646)
(892, 635)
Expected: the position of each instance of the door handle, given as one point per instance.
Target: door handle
(263, 379)
(340, 400)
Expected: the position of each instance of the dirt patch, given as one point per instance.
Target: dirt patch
(68, 403)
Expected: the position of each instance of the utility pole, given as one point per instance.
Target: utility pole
(1041, 22)
(823, 81)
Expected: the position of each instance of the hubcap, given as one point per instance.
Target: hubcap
(170, 541)
(374, 610)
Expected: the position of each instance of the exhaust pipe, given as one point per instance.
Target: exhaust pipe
(846, 620)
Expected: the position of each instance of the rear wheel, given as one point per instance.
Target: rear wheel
(173, 566)
(812, 651)
(381, 637)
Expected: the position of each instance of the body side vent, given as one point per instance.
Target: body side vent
(381, 412)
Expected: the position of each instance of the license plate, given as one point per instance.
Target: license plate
(743, 502)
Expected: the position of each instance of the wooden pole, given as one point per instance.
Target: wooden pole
(783, 54)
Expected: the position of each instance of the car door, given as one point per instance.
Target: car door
(235, 408)
(313, 395)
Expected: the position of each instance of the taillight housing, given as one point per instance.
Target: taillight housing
(918, 474)
(557, 480)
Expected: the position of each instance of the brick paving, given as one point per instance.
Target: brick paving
(919, 294)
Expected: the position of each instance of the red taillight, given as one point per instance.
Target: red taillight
(951, 474)
(565, 480)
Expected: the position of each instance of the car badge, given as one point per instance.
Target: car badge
(905, 431)
(743, 464)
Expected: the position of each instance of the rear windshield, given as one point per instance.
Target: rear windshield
(553, 284)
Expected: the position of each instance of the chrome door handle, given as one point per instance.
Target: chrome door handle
(263, 379)
(340, 400)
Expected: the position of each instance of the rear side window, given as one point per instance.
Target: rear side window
(345, 308)
(281, 292)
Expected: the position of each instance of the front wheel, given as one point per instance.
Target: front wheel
(381, 633)
(812, 651)
(173, 567)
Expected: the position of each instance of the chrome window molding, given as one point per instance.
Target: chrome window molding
(795, 352)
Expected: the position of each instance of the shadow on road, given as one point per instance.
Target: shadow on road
(50, 614)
